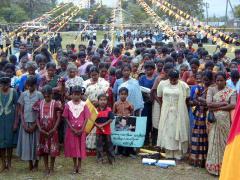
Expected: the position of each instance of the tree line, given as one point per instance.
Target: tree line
(17, 11)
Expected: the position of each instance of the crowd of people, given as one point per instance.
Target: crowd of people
(189, 105)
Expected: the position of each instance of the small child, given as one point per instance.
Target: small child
(124, 109)
(49, 114)
(103, 133)
(28, 133)
(76, 113)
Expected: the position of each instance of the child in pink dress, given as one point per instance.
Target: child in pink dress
(49, 113)
(76, 113)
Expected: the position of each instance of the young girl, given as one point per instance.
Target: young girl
(8, 121)
(76, 113)
(28, 133)
(147, 81)
(103, 137)
(49, 113)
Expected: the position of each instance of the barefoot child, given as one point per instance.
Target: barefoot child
(8, 121)
(103, 137)
(49, 113)
(124, 109)
(28, 133)
(76, 113)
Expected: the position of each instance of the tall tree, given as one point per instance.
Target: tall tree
(192, 7)
(237, 11)
(35, 8)
(22, 10)
(13, 13)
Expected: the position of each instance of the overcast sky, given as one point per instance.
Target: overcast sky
(217, 7)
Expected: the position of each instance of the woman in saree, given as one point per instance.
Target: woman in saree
(220, 100)
(173, 131)
(94, 87)
(199, 137)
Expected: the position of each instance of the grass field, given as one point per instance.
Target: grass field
(68, 38)
(123, 169)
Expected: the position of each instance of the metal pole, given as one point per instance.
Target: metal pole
(232, 8)
(226, 14)
(207, 6)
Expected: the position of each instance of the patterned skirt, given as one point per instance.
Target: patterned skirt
(199, 139)
(48, 145)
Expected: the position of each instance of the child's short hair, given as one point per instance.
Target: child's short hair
(134, 64)
(47, 89)
(31, 64)
(103, 65)
(149, 64)
(31, 80)
(122, 89)
(51, 65)
(112, 71)
(102, 96)
(4, 80)
(63, 61)
(39, 58)
(183, 66)
(78, 89)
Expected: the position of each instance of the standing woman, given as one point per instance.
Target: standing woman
(199, 137)
(190, 76)
(52, 80)
(220, 100)
(134, 90)
(94, 87)
(8, 121)
(173, 131)
(156, 104)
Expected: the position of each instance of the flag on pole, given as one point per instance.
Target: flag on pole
(231, 161)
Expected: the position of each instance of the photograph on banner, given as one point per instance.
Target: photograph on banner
(125, 124)
(128, 131)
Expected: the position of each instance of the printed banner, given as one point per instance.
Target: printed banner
(129, 132)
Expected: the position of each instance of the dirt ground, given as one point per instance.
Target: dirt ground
(124, 168)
